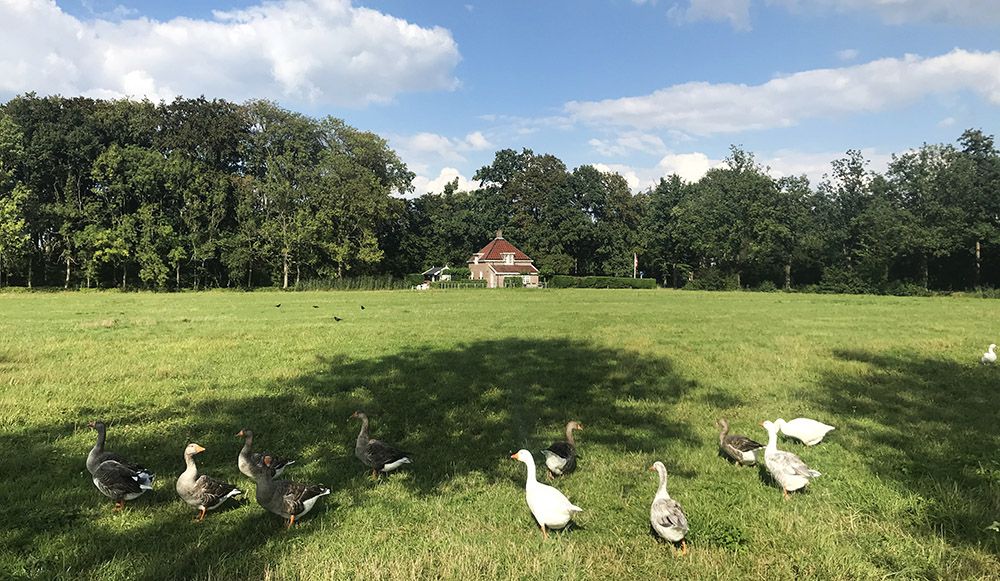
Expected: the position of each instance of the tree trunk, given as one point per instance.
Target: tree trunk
(297, 274)
(250, 277)
(29, 271)
(739, 283)
(788, 276)
(124, 271)
(924, 271)
(284, 267)
(66, 284)
(177, 275)
(979, 264)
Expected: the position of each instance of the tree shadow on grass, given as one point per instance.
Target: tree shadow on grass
(933, 427)
(458, 410)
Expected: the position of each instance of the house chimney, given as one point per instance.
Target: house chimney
(500, 233)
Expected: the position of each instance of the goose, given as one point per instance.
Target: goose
(200, 491)
(551, 509)
(250, 462)
(113, 475)
(285, 498)
(665, 514)
(990, 356)
(560, 457)
(809, 432)
(788, 470)
(740, 449)
(382, 458)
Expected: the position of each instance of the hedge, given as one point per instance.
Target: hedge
(563, 281)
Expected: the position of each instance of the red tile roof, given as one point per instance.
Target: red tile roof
(497, 248)
(514, 268)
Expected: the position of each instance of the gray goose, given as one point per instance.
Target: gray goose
(560, 457)
(739, 449)
(285, 498)
(250, 462)
(382, 458)
(665, 514)
(114, 476)
(200, 491)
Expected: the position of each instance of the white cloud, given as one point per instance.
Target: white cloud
(848, 54)
(689, 166)
(300, 51)
(947, 122)
(814, 165)
(627, 143)
(981, 12)
(422, 146)
(423, 184)
(707, 108)
(736, 12)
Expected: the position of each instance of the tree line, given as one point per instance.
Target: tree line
(199, 193)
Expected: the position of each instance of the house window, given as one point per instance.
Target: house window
(508, 258)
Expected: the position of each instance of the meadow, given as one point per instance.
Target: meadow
(911, 476)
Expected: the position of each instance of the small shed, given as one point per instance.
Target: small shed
(437, 273)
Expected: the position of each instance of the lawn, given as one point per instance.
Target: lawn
(911, 476)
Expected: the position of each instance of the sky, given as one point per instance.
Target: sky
(642, 87)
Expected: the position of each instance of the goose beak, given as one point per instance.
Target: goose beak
(91, 425)
(198, 449)
(651, 469)
(513, 456)
(240, 435)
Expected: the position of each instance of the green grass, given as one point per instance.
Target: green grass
(462, 379)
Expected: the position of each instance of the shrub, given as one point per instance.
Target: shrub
(413, 279)
(512, 282)
(767, 287)
(365, 282)
(712, 279)
(564, 281)
(459, 283)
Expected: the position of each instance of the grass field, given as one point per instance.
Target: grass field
(463, 378)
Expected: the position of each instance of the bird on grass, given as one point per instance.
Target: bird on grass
(250, 462)
(338, 319)
(277, 306)
(560, 457)
(362, 307)
(809, 432)
(739, 449)
(201, 491)
(990, 356)
(665, 514)
(551, 508)
(285, 498)
(114, 476)
(788, 470)
(382, 458)
(315, 306)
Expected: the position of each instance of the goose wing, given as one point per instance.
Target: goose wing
(211, 492)
(743, 443)
(667, 513)
(294, 495)
(119, 459)
(378, 454)
(791, 464)
(118, 479)
(277, 462)
(562, 449)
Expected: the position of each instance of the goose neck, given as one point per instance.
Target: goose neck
(772, 441)
(191, 469)
(569, 435)
(530, 478)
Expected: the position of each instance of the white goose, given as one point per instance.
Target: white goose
(809, 432)
(990, 356)
(550, 507)
(788, 470)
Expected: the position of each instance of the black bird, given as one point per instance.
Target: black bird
(362, 307)
(277, 306)
(315, 306)
(336, 318)
(382, 458)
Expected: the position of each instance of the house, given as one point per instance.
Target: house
(437, 273)
(499, 262)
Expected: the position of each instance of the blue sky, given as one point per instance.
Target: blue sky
(643, 87)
